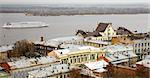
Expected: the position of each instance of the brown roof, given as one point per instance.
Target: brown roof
(95, 34)
(81, 32)
(101, 27)
(123, 31)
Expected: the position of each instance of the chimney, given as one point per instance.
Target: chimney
(42, 39)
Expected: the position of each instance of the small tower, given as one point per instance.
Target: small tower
(42, 39)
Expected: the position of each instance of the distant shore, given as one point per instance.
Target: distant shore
(57, 10)
(36, 14)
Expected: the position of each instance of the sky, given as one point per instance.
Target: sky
(70, 1)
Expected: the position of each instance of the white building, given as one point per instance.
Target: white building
(53, 71)
(19, 68)
(77, 55)
(145, 62)
(141, 47)
(104, 31)
(120, 54)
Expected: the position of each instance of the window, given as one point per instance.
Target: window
(135, 51)
(70, 60)
(142, 44)
(85, 58)
(79, 60)
(62, 62)
(74, 60)
(92, 57)
(124, 38)
(145, 44)
(61, 76)
(138, 50)
(135, 45)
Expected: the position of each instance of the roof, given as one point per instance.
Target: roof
(70, 46)
(102, 27)
(75, 50)
(97, 41)
(119, 53)
(141, 40)
(123, 31)
(6, 48)
(97, 66)
(94, 33)
(50, 70)
(81, 32)
(117, 48)
(28, 62)
(61, 40)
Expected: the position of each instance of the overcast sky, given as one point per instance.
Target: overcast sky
(70, 1)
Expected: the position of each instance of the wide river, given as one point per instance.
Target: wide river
(67, 25)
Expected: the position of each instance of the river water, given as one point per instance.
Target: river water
(67, 25)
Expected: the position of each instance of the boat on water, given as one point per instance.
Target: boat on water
(25, 25)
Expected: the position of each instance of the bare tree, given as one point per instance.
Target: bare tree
(23, 47)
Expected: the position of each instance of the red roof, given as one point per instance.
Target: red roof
(5, 66)
(103, 58)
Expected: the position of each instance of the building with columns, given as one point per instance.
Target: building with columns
(78, 55)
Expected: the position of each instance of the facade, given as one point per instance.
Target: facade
(121, 39)
(141, 47)
(77, 56)
(108, 32)
(95, 43)
(145, 62)
(43, 49)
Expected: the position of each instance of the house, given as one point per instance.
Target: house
(77, 55)
(95, 43)
(54, 71)
(102, 30)
(123, 31)
(19, 67)
(120, 54)
(143, 67)
(141, 47)
(94, 69)
(4, 52)
(42, 48)
(121, 39)
(145, 62)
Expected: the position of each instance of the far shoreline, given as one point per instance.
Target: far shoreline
(86, 14)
